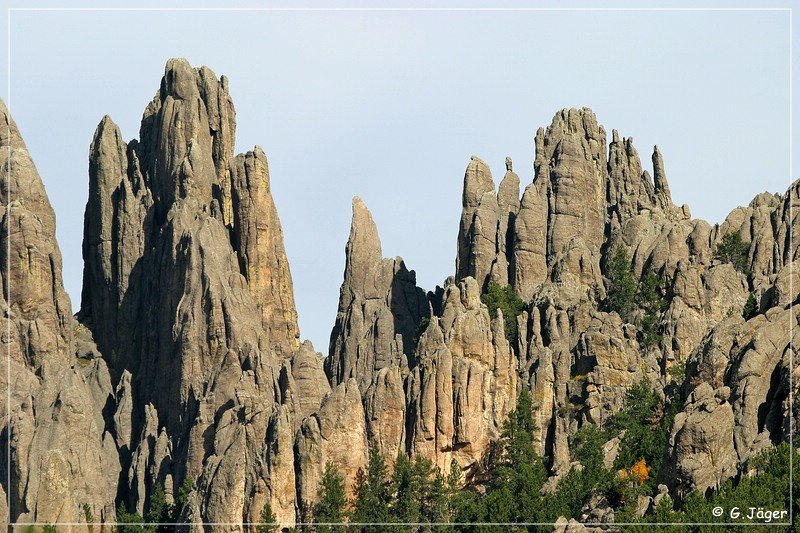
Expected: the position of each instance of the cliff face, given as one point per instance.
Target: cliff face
(198, 376)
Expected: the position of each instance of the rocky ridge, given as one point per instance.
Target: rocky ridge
(184, 361)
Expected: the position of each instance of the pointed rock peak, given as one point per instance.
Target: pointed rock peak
(179, 79)
(106, 131)
(477, 182)
(660, 177)
(9, 126)
(614, 136)
(508, 192)
(259, 152)
(364, 244)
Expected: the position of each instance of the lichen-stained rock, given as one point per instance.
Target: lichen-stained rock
(571, 158)
(701, 298)
(337, 434)
(786, 220)
(629, 190)
(610, 358)
(710, 361)
(115, 224)
(529, 265)
(380, 308)
(61, 456)
(235, 471)
(385, 410)
(280, 463)
(508, 202)
(700, 452)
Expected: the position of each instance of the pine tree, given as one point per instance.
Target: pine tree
(622, 286)
(131, 521)
(650, 301)
(373, 493)
(331, 501)
(733, 249)
(268, 520)
(160, 510)
(183, 496)
(406, 505)
(750, 307)
(520, 473)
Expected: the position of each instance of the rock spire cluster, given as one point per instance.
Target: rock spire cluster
(184, 365)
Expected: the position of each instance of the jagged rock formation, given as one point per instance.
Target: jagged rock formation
(198, 372)
(62, 456)
(187, 289)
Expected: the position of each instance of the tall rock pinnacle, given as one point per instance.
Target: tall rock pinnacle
(187, 287)
(61, 456)
(183, 370)
(380, 307)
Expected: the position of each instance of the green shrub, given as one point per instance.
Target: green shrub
(504, 298)
(732, 249)
(622, 286)
(625, 295)
(750, 307)
(89, 516)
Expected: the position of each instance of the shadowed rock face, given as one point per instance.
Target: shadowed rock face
(198, 372)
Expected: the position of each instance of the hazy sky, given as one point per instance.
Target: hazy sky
(390, 105)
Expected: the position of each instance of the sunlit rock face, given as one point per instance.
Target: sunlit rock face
(184, 365)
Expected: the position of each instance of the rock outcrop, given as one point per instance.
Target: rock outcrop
(184, 365)
(187, 289)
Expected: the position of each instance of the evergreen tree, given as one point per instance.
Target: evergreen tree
(519, 475)
(331, 501)
(750, 307)
(506, 299)
(650, 301)
(159, 511)
(732, 249)
(131, 521)
(436, 505)
(373, 493)
(183, 496)
(622, 286)
(268, 520)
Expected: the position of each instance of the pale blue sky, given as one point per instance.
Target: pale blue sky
(390, 106)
